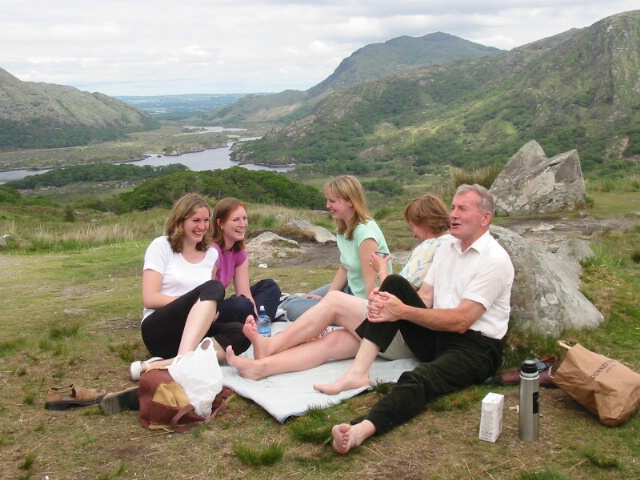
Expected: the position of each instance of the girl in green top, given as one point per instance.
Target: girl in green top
(358, 238)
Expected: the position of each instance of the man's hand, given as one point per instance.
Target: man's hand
(384, 307)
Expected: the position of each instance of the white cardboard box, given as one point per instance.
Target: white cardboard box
(491, 419)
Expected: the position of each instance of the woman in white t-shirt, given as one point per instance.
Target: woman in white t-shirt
(179, 290)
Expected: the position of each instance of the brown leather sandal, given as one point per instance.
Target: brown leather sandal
(546, 368)
(61, 398)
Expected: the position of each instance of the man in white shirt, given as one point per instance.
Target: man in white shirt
(454, 324)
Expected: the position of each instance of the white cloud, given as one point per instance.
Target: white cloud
(149, 47)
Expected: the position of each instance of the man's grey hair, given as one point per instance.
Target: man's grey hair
(486, 202)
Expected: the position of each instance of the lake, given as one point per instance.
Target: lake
(215, 159)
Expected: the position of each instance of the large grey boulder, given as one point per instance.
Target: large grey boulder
(532, 183)
(545, 297)
(321, 234)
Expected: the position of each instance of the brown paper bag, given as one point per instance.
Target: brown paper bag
(604, 386)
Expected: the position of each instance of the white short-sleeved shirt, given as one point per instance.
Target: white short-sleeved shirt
(483, 273)
(178, 275)
(421, 258)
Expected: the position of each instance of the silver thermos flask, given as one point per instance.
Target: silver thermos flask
(529, 409)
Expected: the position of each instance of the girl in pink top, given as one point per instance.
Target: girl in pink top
(230, 223)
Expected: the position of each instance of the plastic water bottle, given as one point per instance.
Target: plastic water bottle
(264, 323)
(529, 409)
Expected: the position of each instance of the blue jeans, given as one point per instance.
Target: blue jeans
(296, 306)
(236, 308)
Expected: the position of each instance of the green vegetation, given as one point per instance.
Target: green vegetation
(258, 456)
(484, 176)
(256, 186)
(164, 186)
(80, 324)
(94, 173)
(39, 133)
(71, 271)
(563, 92)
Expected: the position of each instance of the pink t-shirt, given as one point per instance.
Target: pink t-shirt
(227, 264)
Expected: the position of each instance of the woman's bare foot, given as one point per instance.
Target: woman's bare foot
(246, 367)
(260, 343)
(346, 381)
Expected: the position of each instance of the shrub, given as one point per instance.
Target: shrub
(484, 176)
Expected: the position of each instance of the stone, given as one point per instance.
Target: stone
(321, 234)
(532, 183)
(270, 237)
(545, 297)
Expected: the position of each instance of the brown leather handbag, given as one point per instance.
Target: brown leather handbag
(165, 406)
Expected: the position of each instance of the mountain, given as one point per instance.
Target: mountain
(42, 115)
(579, 89)
(380, 60)
(372, 62)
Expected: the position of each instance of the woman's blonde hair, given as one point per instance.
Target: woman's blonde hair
(349, 188)
(430, 213)
(184, 208)
(224, 208)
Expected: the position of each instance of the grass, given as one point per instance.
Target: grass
(71, 312)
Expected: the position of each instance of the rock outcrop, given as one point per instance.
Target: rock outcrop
(320, 234)
(532, 183)
(545, 297)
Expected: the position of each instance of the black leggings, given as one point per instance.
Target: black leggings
(238, 307)
(450, 361)
(162, 330)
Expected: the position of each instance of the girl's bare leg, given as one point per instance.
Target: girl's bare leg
(357, 375)
(335, 345)
(199, 320)
(336, 307)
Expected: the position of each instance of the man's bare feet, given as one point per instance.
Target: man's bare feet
(260, 343)
(346, 437)
(246, 367)
(347, 381)
(342, 439)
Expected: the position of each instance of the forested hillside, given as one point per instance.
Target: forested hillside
(249, 185)
(106, 172)
(162, 186)
(42, 115)
(371, 62)
(580, 89)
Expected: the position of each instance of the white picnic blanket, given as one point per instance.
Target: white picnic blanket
(292, 394)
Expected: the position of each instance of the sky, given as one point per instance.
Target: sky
(161, 47)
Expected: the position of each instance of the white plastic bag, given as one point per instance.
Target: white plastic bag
(199, 374)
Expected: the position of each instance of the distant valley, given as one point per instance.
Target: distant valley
(181, 107)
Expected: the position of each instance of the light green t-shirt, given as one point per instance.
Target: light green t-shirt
(350, 254)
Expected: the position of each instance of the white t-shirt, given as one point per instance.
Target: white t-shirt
(178, 275)
(483, 273)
